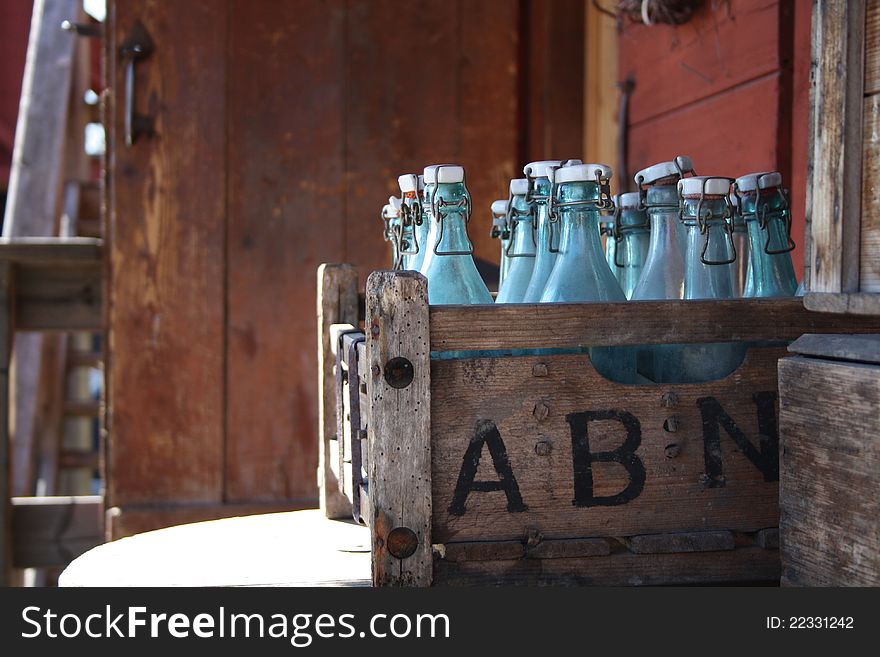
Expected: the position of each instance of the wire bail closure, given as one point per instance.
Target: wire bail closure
(703, 222)
(760, 214)
(439, 215)
(411, 216)
(643, 192)
(605, 202)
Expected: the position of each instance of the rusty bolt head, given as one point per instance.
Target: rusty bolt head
(541, 411)
(402, 542)
(539, 369)
(374, 329)
(669, 399)
(376, 370)
(533, 537)
(672, 450)
(671, 424)
(399, 372)
(543, 448)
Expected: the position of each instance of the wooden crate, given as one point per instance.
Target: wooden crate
(830, 471)
(535, 469)
(844, 185)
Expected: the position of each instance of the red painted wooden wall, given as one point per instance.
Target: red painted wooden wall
(15, 20)
(729, 88)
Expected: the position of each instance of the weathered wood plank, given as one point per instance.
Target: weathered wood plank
(718, 49)
(677, 542)
(166, 296)
(51, 250)
(862, 348)
(869, 254)
(6, 332)
(854, 303)
(693, 130)
(52, 531)
(539, 326)
(285, 216)
(399, 472)
(838, 43)
(59, 297)
(830, 516)
(617, 569)
(872, 48)
(337, 304)
(601, 459)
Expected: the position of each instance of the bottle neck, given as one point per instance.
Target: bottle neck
(450, 213)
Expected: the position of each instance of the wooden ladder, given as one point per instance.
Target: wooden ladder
(51, 287)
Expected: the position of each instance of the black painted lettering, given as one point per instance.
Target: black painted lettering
(486, 433)
(625, 455)
(765, 458)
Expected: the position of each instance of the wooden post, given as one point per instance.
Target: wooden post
(6, 328)
(337, 304)
(838, 50)
(399, 388)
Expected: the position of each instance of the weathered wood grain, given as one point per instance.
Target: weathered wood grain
(59, 297)
(862, 348)
(648, 322)
(617, 569)
(830, 514)
(673, 493)
(869, 253)
(166, 305)
(400, 467)
(872, 48)
(52, 531)
(6, 332)
(337, 304)
(853, 303)
(677, 542)
(838, 43)
(285, 216)
(718, 49)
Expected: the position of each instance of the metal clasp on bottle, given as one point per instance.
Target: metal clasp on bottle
(410, 217)
(761, 211)
(703, 222)
(439, 216)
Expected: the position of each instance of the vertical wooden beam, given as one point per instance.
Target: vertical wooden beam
(337, 304)
(6, 324)
(399, 470)
(601, 131)
(838, 51)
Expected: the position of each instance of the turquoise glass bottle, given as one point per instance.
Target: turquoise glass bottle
(393, 231)
(764, 206)
(414, 232)
(606, 229)
(662, 275)
(707, 215)
(631, 236)
(581, 274)
(740, 266)
(501, 232)
(449, 264)
(539, 175)
(522, 245)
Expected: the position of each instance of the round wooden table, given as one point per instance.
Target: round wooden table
(297, 548)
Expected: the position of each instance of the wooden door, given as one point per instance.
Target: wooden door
(278, 131)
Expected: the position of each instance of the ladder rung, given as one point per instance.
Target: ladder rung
(82, 408)
(78, 459)
(79, 358)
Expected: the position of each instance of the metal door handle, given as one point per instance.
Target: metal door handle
(137, 45)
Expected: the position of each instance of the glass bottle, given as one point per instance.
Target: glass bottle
(539, 175)
(663, 272)
(414, 231)
(521, 246)
(452, 275)
(707, 215)
(606, 229)
(739, 267)
(631, 236)
(763, 204)
(429, 178)
(393, 230)
(581, 274)
(501, 232)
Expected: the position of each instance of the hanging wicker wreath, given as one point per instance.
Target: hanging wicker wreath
(653, 12)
